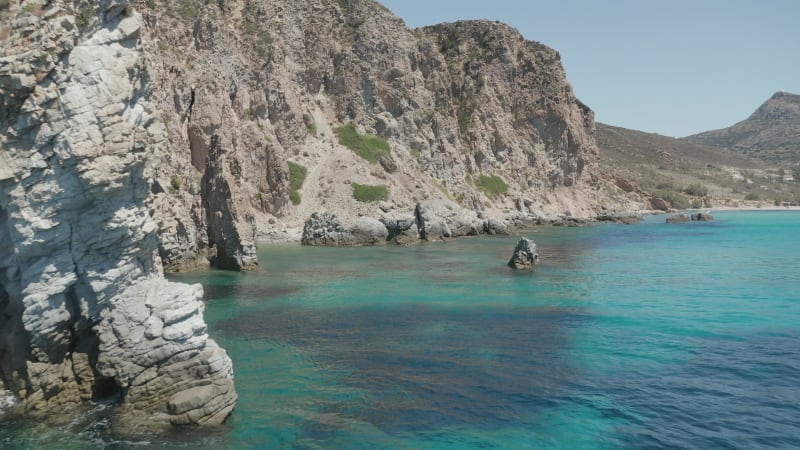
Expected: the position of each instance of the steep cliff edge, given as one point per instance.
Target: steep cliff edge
(86, 311)
(478, 121)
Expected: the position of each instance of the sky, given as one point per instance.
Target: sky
(673, 67)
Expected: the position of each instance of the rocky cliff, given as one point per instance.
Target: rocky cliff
(477, 122)
(770, 134)
(153, 134)
(86, 311)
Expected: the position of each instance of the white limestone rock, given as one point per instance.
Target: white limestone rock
(85, 311)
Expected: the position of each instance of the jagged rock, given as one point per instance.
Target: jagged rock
(702, 217)
(402, 230)
(625, 219)
(325, 229)
(496, 226)
(153, 344)
(525, 256)
(569, 222)
(678, 218)
(85, 312)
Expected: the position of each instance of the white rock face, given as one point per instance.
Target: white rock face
(86, 311)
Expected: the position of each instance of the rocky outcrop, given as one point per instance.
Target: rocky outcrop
(678, 218)
(702, 217)
(86, 313)
(525, 256)
(325, 229)
(244, 87)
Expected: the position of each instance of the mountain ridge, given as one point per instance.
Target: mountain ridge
(771, 133)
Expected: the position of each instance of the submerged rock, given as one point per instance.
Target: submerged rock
(525, 256)
(678, 218)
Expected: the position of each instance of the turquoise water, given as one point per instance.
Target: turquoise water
(643, 336)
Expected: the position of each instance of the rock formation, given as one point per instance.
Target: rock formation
(525, 256)
(477, 119)
(86, 311)
(702, 217)
(678, 218)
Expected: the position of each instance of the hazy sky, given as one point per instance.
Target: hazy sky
(674, 67)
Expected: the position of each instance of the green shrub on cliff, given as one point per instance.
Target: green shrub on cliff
(491, 185)
(297, 176)
(367, 193)
(367, 146)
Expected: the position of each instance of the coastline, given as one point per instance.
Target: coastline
(293, 235)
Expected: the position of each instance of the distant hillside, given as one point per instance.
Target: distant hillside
(685, 173)
(771, 134)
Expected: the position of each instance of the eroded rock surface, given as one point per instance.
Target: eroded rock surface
(85, 312)
(525, 256)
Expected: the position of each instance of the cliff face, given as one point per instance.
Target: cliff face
(86, 311)
(158, 134)
(245, 87)
(770, 134)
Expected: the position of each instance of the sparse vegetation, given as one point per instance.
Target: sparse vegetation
(297, 176)
(175, 184)
(752, 196)
(33, 8)
(294, 197)
(674, 198)
(464, 118)
(697, 190)
(84, 17)
(367, 146)
(366, 193)
(416, 153)
(491, 185)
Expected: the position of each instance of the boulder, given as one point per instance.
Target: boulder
(325, 229)
(678, 218)
(368, 231)
(525, 256)
(388, 164)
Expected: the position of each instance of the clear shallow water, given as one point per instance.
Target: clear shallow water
(644, 336)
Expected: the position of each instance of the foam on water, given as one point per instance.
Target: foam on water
(7, 401)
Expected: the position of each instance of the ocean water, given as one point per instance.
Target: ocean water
(642, 336)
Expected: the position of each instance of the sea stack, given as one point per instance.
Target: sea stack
(525, 256)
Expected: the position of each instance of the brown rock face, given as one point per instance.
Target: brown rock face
(244, 87)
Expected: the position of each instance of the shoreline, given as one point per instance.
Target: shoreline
(289, 236)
